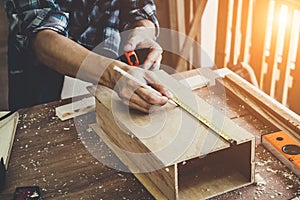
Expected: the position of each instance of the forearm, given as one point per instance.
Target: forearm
(69, 58)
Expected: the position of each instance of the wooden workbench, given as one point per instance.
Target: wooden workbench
(53, 155)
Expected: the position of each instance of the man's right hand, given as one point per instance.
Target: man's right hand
(138, 97)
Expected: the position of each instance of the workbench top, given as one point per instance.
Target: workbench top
(61, 158)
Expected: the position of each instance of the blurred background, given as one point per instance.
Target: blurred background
(258, 39)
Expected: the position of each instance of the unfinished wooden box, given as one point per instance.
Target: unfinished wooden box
(172, 154)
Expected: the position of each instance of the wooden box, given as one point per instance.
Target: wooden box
(172, 154)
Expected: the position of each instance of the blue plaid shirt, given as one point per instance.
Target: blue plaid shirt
(87, 22)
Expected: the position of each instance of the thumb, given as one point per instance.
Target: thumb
(131, 44)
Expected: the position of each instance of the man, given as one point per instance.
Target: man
(48, 38)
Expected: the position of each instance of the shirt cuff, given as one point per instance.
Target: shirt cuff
(147, 12)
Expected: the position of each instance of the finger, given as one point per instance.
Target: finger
(163, 90)
(128, 94)
(154, 83)
(151, 97)
(156, 64)
(131, 43)
(135, 106)
(153, 56)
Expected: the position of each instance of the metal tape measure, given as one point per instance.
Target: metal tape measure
(202, 119)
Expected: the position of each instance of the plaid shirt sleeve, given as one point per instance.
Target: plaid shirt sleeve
(26, 17)
(135, 10)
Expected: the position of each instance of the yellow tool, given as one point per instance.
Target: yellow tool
(206, 122)
(283, 146)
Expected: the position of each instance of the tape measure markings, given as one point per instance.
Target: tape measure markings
(202, 119)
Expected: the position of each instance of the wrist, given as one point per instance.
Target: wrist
(147, 26)
(111, 76)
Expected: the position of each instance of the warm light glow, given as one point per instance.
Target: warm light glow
(282, 22)
(283, 17)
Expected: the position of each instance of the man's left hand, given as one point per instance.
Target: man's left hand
(142, 37)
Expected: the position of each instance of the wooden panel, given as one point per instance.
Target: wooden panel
(283, 83)
(235, 42)
(177, 19)
(223, 33)
(293, 93)
(246, 28)
(271, 73)
(265, 106)
(257, 51)
(177, 23)
(189, 42)
(162, 7)
(197, 51)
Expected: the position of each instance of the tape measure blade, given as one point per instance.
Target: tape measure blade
(205, 121)
(191, 103)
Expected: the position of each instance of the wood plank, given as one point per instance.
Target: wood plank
(258, 40)
(223, 30)
(271, 110)
(293, 92)
(189, 42)
(271, 75)
(177, 24)
(235, 42)
(189, 15)
(246, 30)
(197, 52)
(283, 83)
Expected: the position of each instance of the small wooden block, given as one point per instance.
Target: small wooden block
(75, 109)
(195, 82)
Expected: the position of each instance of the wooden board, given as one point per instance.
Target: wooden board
(76, 108)
(263, 105)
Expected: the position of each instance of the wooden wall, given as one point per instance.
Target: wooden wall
(184, 17)
(264, 34)
(260, 36)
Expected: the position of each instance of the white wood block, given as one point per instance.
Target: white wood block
(75, 109)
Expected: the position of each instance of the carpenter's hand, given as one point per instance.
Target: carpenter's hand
(142, 37)
(138, 97)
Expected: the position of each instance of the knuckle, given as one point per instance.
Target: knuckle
(151, 99)
(147, 107)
